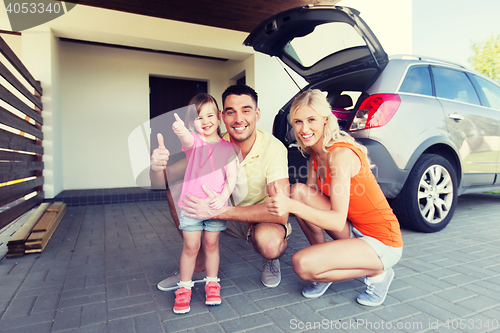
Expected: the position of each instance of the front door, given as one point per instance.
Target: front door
(167, 94)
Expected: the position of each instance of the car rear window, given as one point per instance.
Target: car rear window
(417, 81)
(454, 85)
(321, 41)
(490, 91)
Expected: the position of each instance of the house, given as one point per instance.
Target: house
(97, 67)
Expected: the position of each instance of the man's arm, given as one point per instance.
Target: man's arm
(159, 160)
(257, 213)
(159, 172)
(170, 175)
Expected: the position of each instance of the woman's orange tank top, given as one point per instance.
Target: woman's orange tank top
(369, 211)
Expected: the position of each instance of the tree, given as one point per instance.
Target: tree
(486, 57)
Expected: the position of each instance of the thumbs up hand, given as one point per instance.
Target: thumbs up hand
(278, 203)
(160, 155)
(178, 126)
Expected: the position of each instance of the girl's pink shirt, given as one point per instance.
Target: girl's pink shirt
(206, 165)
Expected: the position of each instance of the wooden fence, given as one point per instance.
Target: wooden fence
(21, 151)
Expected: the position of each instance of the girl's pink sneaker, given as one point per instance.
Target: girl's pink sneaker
(212, 291)
(182, 300)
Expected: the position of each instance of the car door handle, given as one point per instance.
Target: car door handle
(456, 116)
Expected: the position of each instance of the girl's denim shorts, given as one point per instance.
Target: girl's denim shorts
(191, 224)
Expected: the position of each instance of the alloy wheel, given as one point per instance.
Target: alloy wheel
(435, 194)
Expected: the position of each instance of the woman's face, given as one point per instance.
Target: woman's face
(308, 125)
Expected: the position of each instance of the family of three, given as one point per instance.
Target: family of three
(248, 168)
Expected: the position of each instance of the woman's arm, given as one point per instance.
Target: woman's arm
(312, 175)
(258, 213)
(343, 164)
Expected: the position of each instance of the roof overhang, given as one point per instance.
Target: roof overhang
(240, 15)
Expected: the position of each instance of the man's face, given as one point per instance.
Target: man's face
(240, 116)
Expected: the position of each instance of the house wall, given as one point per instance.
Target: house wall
(105, 96)
(15, 43)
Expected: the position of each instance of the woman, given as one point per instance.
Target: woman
(342, 197)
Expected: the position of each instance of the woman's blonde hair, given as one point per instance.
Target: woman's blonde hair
(332, 134)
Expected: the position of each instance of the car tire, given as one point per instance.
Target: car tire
(429, 197)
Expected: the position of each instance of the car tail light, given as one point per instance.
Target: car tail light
(375, 111)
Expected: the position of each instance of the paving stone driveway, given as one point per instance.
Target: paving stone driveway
(100, 269)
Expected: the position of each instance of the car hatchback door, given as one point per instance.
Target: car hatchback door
(320, 41)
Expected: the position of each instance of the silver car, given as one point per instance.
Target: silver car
(431, 127)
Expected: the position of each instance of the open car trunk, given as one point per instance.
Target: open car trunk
(334, 50)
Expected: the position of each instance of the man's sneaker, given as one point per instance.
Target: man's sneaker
(171, 282)
(271, 273)
(212, 293)
(315, 289)
(182, 300)
(376, 292)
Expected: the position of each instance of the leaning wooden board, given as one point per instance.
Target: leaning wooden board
(42, 233)
(16, 244)
(34, 235)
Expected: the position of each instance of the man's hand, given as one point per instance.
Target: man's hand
(160, 156)
(278, 204)
(201, 208)
(217, 202)
(178, 126)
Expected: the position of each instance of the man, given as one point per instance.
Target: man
(262, 169)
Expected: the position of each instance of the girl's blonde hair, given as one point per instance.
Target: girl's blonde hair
(332, 133)
(194, 108)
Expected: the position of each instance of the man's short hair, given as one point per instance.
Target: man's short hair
(239, 89)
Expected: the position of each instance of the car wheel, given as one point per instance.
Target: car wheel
(429, 197)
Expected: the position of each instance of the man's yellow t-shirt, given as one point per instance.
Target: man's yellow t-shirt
(266, 162)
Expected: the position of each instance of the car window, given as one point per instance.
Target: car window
(320, 40)
(491, 92)
(417, 81)
(454, 85)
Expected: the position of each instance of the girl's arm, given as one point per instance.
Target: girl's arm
(343, 164)
(231, 175)
(187, 139)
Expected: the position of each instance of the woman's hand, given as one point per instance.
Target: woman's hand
(278, 204)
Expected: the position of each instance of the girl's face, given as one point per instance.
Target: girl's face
(308, 125)
(207, 121)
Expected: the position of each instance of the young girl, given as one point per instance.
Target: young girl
(342, 197)
(211, 164)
